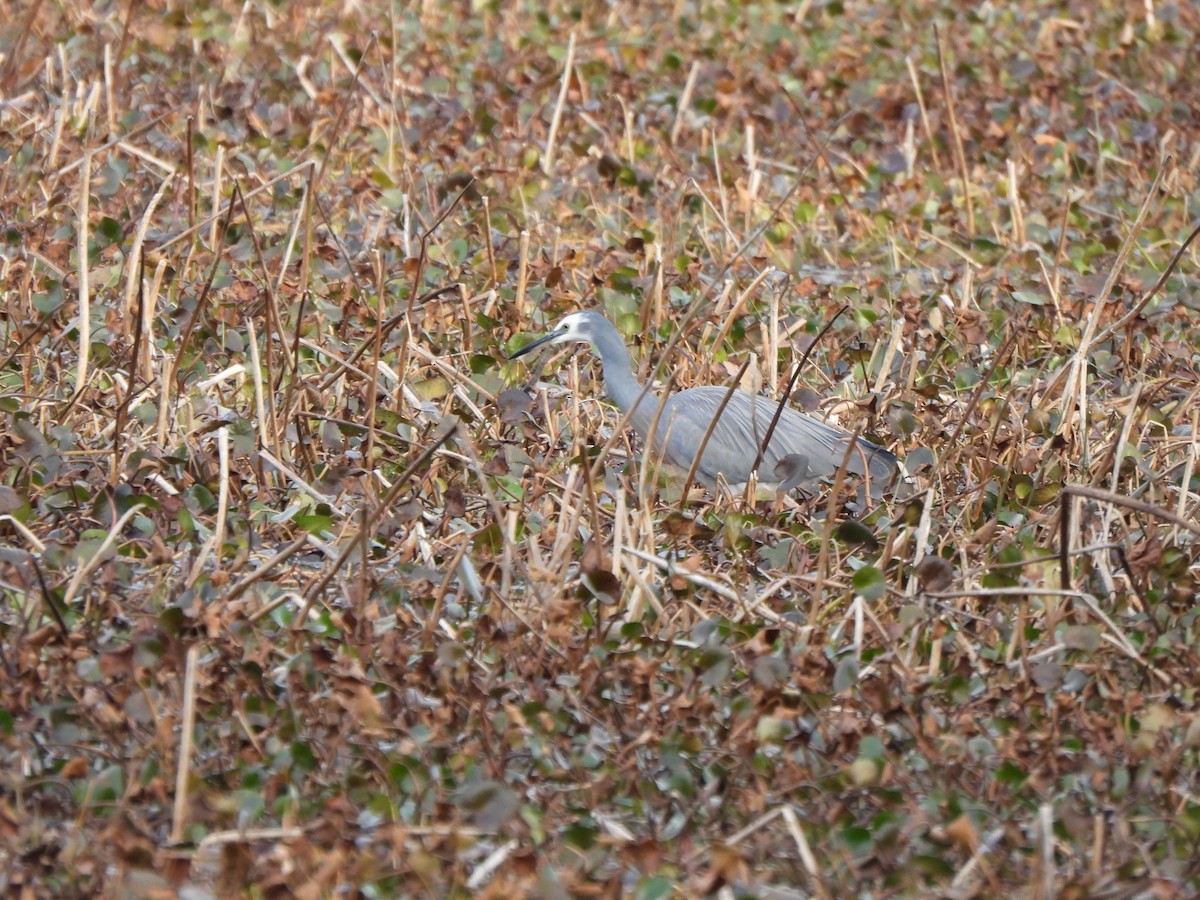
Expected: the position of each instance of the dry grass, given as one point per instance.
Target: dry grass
(303, 596)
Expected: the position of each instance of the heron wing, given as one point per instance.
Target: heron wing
(809, 447)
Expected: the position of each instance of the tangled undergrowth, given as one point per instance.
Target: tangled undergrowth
(309, 591)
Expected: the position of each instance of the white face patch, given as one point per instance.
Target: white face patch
(571, 327)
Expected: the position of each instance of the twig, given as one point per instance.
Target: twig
(225, 209)
(12, 64)
(1080, 490)
(1116, 326)
(729, 392)
(959, 156)
(187, 726)
(762, 447)
(398, 485)
(568, 67)
(86, 569)
(82, 231)
(241, 586)
(916, 82)
(685, 100)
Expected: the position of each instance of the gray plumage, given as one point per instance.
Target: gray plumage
(801, 447)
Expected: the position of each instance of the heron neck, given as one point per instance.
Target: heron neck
(622, 385)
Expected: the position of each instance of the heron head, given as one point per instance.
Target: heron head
(573, 327)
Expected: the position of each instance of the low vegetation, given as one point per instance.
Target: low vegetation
(307, 590)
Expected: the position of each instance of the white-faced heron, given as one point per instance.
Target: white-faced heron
(801, 447)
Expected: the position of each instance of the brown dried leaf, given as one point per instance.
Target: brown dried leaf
(962, 832)
(676, 524)
(514, 405)
(455, 502)
(934, 574)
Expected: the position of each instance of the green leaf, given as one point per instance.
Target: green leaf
(846, 674)
(489, 539)
(654, 888)
(855, 533)
(717, 663)
(109, 230)
(857, 838)
(480, 363)
(769, 671)
(871, 748)
(581, 835)
(869, 583)
(1010, 773)
(52, 300)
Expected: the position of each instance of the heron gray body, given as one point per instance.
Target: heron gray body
(801, 447)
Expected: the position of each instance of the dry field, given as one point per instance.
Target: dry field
(306, 590)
